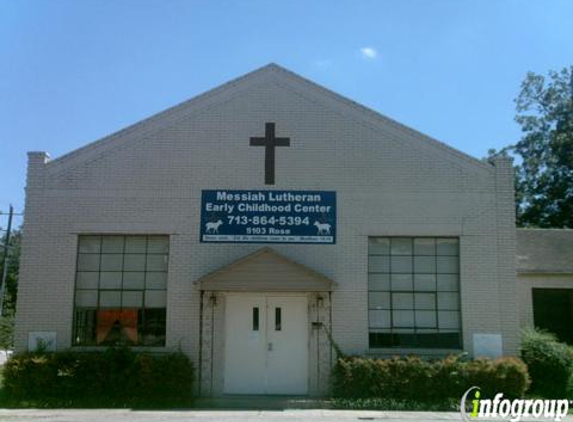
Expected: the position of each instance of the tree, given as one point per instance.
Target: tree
(7, 319)
(544, 173)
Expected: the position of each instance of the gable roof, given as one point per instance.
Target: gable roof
(265, 270)
(269, 73)
(544, 251)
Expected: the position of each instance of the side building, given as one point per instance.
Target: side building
(545, 280)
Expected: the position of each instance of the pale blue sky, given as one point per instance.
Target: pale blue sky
(72, 71)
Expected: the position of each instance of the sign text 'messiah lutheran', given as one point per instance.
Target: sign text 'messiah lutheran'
(271, 196)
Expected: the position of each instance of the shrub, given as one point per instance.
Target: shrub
(396, 405)
(505, 375)
(115, 377)
(550, 363)
(416, 379)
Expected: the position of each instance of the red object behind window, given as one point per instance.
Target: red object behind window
(124, 320)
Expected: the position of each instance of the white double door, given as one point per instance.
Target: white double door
(266, 347)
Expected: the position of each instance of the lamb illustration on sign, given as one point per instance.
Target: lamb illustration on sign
(323, 228)
(213, 227)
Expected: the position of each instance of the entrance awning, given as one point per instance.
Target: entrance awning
(265, 270)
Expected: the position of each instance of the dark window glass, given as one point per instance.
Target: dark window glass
(380, 340)
(255, 319)
(553, 311)
(278, 319)
(417, 340)
(121, 291)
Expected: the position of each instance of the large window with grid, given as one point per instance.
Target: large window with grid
(413, 292)
(121, 290)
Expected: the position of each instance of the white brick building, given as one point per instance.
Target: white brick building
(423, 260)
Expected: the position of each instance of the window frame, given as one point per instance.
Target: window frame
(144, 322)
(445, 338)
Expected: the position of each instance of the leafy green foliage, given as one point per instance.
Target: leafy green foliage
(550, 363)
(6, 332)
(117, 377)
(414, 379)
(13, 271)
(7, 318)
(381, 403)
(544, 173)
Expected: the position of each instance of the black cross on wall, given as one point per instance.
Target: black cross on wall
(270, 142)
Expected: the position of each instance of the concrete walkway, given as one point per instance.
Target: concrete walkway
(220, 416)
(225, 416)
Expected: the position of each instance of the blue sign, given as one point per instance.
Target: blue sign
(265, 216)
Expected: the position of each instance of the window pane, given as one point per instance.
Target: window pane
(424, 246)
(402, 301)
(379, 300)
(158, 244)
(112, 244)
(256, 318)
(84, 326)
(449, 340)
(89, 244)
(156, 262)
(379, 281)
(402, 282)
(153, 332)
(448, 320)
(117, 327)
(448, 282)
(425, 264)
(86, 298)
(133, 281)
(156, 281)
(426, 301)
(111, 262)
(379, 246)
(87, 280)
(278, 319)
(448, 264)
(110, 281)
(132, 299)
(379, 319)
(426, 338)
(403, 318)
(404, 338)
(379, 264)
(426, 319)
(135, 244)
(376, 340)
(448, 301)
(110, 299)
(424, 282)
(447, 246)
(88, 262)
(155, 299)
(401, 246)
(134, 262)
(401, 264)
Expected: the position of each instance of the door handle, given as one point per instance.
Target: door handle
(270, 347)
